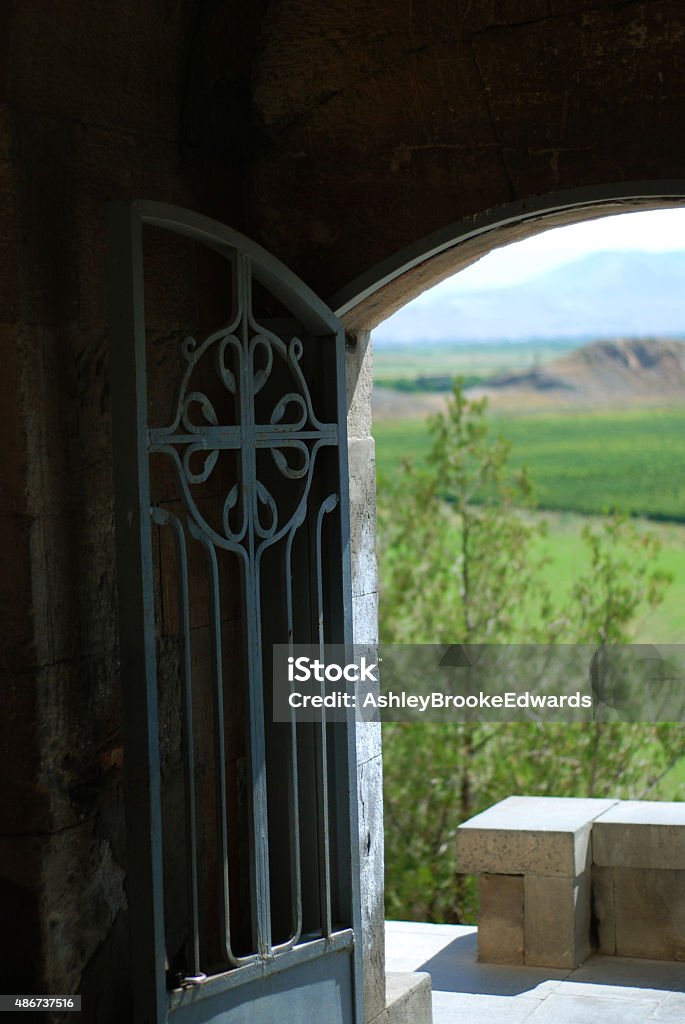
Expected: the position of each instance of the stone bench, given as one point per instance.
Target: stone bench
(639, 880)
(533, 856)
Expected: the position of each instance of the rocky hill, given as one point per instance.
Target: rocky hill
(624, 371)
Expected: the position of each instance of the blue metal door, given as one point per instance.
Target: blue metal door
(230, 461)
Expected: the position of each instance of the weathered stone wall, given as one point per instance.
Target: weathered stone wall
(93, 102)
(378, 122)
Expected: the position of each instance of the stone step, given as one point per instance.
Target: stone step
(541, 835)
(641, 834)
(533, 856)
(407, 999)
(638, 879)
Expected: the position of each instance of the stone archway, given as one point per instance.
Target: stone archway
(362, 305)
(375, 295)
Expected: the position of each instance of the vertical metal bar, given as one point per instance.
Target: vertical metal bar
(293, 795)
(260, 828)
(219, 741)
(136, 613)
(321, 741)
(294, 809)
(260, 824)
(165, 518)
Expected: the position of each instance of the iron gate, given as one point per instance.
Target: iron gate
(230, 462)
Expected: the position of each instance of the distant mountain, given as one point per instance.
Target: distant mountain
(603, 295)
(617, 372)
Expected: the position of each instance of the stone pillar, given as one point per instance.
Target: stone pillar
(358, 378)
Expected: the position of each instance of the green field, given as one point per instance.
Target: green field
(631, 461)
(584, 465)
(568, 558)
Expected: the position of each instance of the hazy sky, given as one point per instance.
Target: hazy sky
(654, 231)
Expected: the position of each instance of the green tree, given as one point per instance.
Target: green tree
(457, 566)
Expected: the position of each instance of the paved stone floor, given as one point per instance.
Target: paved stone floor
(605, 990)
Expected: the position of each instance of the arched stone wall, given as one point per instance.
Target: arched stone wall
(382, 290)
(378, 123)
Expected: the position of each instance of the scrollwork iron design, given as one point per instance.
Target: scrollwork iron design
(245, 355)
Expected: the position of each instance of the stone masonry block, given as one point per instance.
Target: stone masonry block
(370, 803)
(22, 943)
(649, 907)
(556, 920)
(363, 515)
(641, 834)
(97, 67)
(604, 911)
(15, 456)
(365, 618)
(368, 738)
(16, 596)
(407, 1000)
(500, 928)
(23, 803)
(520, 835)
(358, 384)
